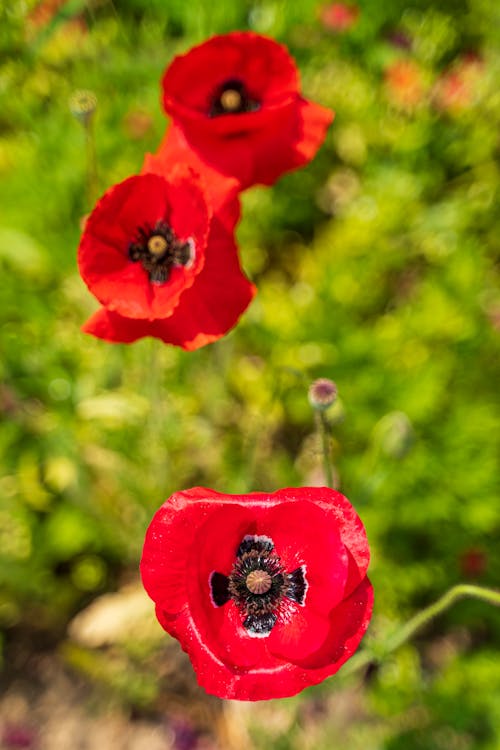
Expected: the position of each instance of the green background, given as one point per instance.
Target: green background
(375, 267)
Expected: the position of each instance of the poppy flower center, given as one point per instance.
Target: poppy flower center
(259, 586)
(157, 244)
(232, 97)
(259, 582)
(158, 249)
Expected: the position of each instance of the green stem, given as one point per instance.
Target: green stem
(325, 442)
(158, 401)
(92, 185)
(419, 621)
(448, 599)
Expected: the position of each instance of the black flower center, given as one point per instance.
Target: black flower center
(159, 250)
(258, 585)
(231, 98)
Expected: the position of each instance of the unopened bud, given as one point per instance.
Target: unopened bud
(82, 105)
(322, 393)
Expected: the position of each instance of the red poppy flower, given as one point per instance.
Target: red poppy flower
(206, 311)
(237, 103)
(161, 264)
(267, 593)
(144, 243)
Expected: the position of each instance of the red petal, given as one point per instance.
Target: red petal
(314, 123)
(214, 303)
(169, 558)
(214, 549)
(303, 534)
(144, 202)
(190, 215)
(304, 633)
(221, 190)
(291, 137)
(112, 327)
(351, 529)
(206, 311)
(190, 537)
(348, 624)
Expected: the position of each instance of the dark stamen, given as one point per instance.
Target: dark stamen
(159, 250)
(219, 590)
(257, 584)
(297, 585)
(260, 625)
(232, 97)
(260, 543)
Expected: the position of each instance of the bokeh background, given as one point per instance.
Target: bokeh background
(375, 267)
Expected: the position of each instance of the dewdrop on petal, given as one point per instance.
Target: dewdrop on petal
(322, 394)
(82, 105)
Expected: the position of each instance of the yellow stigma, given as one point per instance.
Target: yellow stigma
(157, 245)
(230, 100)
(258, 582)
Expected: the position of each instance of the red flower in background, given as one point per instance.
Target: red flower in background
(339, 17)
(267, 593)
(235, 100)
(405, 83)
(206, 311)
(161, 264)
(457, 88)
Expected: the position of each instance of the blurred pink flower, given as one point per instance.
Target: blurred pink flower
(455, 90)
(339, 17)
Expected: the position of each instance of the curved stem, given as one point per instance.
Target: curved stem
(433, 610)
(419, 621)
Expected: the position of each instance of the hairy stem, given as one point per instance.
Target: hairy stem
(419, 621)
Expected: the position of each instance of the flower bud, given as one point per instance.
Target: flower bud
(82, 105)
(322, 393)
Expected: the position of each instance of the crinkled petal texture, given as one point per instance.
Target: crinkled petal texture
(198, 532)
(222, 190)
(205, 312)
(282, 131)
(139, 203)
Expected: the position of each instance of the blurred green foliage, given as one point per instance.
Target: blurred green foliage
(375, 267)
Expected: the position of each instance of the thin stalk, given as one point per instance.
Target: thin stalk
(92, 184)
(324, 430)
(422, 618)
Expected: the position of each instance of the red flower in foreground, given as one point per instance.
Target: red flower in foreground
(161, 264)
(267, 593)
(236, 101)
